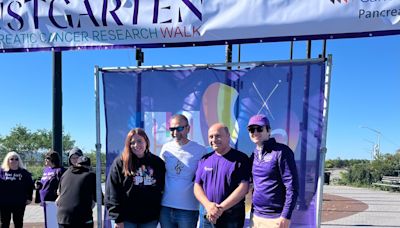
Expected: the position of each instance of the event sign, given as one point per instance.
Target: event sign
(27, 25)
(290, 94)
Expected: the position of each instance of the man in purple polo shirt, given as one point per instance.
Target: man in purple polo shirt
(222, 181)
(274, 176)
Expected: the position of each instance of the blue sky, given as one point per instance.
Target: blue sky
(364, 89)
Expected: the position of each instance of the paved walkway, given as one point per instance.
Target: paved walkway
(343, 207)
(34, 216)
(383, 208)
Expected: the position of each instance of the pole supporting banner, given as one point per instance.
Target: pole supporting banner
(98, 146)
(323, 149)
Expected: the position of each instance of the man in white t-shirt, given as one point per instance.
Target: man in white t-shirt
(180, 208)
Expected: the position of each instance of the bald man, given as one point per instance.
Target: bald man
(222, 181)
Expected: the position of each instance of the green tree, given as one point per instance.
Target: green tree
(28, 143)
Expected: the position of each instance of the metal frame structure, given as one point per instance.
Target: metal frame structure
(226, 65)
(206, 65)
(323, 149)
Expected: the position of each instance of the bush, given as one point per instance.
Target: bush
(364, 174)
(36, 170)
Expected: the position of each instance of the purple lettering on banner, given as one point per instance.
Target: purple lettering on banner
(35, 13)
(16, 16)
(89, 13)
(196, 30)
(135, 12)
(193, 9)
(112, 12)
(155, 11)
(51, 15)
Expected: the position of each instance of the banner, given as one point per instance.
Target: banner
(291, 95)
(60, 24)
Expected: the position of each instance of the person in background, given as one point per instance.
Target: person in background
(135, 184)
(77, 192)
(222, 181)
(274, 176)
(73, 156)
(16, 190)
(52, 173)
(180, 208)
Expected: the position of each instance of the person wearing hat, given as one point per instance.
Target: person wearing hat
(77, 192)
(73, 156)
(275, 177)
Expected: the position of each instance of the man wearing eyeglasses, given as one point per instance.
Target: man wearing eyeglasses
(179, 206)
(274, 177)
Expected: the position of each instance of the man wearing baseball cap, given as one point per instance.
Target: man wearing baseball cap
(274, 177)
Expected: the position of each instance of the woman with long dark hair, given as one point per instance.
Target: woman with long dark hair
(52, 173)
(135, 184)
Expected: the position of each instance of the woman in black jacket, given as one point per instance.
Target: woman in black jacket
(135, 184)
(16, 190)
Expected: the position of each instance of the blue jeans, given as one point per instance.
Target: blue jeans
(152, 224)
(171, 217)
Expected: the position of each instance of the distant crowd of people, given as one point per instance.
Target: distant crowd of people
(183, 187)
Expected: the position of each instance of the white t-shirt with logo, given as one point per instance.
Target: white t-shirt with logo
(181, 164)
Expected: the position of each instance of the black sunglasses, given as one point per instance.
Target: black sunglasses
(257, 128)
(14, 159)
(178, 129)
(48, 158)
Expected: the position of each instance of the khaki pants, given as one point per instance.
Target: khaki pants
(259, 222)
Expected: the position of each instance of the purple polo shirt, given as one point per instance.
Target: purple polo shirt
(275, 181)
(221, 175)
(50, 180)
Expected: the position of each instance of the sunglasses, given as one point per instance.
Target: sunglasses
(178, 129)
(48, 158)
(258, 129)
(14, 159)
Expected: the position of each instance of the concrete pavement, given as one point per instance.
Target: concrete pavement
(34, 216)
(383, 208)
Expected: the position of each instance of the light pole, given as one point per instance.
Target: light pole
(373, 148)
(378, 138)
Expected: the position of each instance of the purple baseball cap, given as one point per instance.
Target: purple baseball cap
(259, 120)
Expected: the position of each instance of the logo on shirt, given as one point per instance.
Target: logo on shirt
(13, 176)
(179, 166)
(267, 157)
(208, 169)
(264, 157)
(144, 176)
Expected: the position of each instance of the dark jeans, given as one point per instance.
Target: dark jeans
(177, 218)
(232, 218)
(85, 225)
(17, 212)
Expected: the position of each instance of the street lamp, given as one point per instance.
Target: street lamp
(378, 138)
(373, 148)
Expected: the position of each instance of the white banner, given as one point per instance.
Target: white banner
(63, 24)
